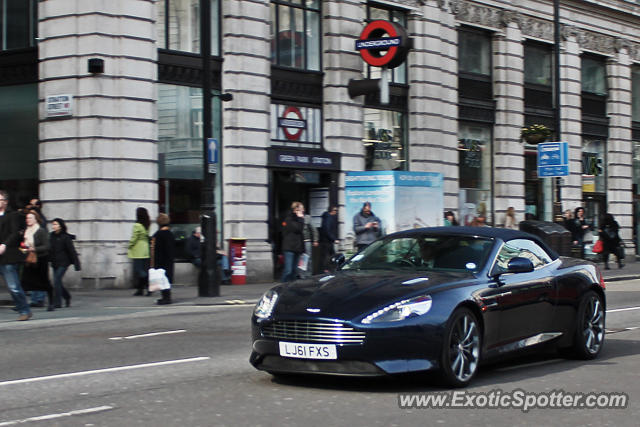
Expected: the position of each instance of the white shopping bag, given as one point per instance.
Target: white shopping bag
(303, 262)
(158, 280)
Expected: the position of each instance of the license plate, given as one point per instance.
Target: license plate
(308, 351)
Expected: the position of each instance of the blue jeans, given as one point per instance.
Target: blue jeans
(38, 296)
(10, 274)
(290, 266)
(59, 290)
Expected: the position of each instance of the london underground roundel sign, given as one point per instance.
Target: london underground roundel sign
(292, 123)
(383, 44)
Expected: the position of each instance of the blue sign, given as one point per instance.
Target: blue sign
(553, 159)
(212, 155)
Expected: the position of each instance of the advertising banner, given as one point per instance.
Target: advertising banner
(401, 200)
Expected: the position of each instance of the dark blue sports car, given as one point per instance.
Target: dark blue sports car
(443, 298)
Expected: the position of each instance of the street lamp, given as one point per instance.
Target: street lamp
(209, 278)
(557, 203)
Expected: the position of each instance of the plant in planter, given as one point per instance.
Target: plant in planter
(535, 134)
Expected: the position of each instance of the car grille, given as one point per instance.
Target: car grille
(313, 332)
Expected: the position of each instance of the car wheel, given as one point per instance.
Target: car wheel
(460, 349)
(589, 334)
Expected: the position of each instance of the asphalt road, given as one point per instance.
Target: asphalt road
(190, 368)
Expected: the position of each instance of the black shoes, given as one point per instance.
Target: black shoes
(163, 301)
(138, 293)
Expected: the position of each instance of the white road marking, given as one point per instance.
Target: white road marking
(59, 415)
(101, 371)
(151, 334)
(615, 310)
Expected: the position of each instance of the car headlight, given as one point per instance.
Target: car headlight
(265, 306)
(401, 310)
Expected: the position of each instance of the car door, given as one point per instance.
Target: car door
(524, 300)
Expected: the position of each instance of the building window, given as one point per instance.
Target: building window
(178, 25)
(18, 24)
(537, 65)
(295, 34)
(474, 52)
(593, 166)
(384, 140)
(594, 76)
(635, 94)
(19, 142)
(475, 166)
(180, 162)
(296, 126)
(377, 12)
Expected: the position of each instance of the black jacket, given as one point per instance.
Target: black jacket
(164, 251)
(11, 224)
(292, 239)
(329, 228)
(609, 236)
(63, 253)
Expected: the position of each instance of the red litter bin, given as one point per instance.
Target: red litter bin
(238, 260)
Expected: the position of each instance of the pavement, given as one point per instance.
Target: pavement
(98, 304)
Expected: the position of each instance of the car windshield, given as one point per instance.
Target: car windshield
(423, 253)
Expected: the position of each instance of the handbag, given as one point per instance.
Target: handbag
(598, 247)
(31, 259)
(158, 280)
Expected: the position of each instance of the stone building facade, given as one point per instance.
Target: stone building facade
(477, 73)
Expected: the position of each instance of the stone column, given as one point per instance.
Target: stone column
(619, 145)
(571, 116)
(98, 165)
(433, 96)
(343, 126)
(508, 149)
(246, 128)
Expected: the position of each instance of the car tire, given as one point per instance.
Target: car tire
(461, 348)
(589, 333)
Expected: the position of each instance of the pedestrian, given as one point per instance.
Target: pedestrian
(63, 254)
(509, 220)
(292, 240)
(138, 251)
(328, 237)
(10, 256)
(579, 227)
(450, 219)
(35, 244)
(164, 252)
(367, 227)
(193, 247)
(310, 237)
(37, 297)
(611, 242)
(567, 219)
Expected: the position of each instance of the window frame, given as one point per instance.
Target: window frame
(275, 6)
(216, 12)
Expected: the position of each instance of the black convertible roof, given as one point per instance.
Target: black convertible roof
(489, 232)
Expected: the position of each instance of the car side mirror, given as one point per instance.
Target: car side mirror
(519, 265)
(338, 259)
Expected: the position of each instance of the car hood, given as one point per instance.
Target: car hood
(347, 295)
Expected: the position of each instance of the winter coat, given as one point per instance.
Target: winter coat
(292, 238)
(139, 242)
(309, 232)
(10, 225)
(577, 232)
(63, 253)
(609, 236)
(365, 236)
(164, 251)
(329, 228)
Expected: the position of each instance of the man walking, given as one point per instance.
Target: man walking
(328, 237)
(10, 256)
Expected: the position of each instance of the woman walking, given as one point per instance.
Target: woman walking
(509, 220)
(63, 254)
(164, 248)
(35, 244)
(139, 250)
(579, 227)
(608, 233)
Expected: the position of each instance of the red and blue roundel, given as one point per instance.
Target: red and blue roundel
(383, 44)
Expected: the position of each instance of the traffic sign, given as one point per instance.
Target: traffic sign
(212, 155)
(553, 159)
